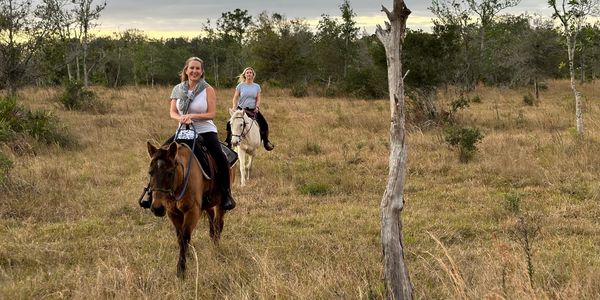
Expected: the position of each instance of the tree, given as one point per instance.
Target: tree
(487, 10)
(588, 50)
(329, 64)
(234, 24)
(395, 270)
(349, 33)
(280, 49)
(85, 14)
(24, 29)
(572, 15)
(453, 19)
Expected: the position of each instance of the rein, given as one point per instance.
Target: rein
(186, 178)
(243, 134)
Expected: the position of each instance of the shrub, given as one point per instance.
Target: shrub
(529, 99)
(300, 90)
(476, 99)
(76, 97)
(512, 202)
(314, 189)
(459, 103)
(465, 139)
(39, 125)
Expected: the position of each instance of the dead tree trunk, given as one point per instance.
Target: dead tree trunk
(397, 280)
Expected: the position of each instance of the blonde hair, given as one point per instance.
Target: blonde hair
(242, 76)
(183, 75)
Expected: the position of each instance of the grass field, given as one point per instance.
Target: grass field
(307, 226)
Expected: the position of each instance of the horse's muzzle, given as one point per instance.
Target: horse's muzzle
(158, 211)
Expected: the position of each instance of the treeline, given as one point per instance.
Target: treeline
(332, 59)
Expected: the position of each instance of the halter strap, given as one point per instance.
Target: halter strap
(243, 134)
(186, 178)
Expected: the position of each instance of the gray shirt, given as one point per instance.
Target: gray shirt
(248, 94)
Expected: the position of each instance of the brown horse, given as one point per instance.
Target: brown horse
(182, 192)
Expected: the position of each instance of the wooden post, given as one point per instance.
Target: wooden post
(397, 280)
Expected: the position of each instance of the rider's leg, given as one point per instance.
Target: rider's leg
(264, 131)
(211, 141)
(228, 138)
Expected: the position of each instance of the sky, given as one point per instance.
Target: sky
(184, 18)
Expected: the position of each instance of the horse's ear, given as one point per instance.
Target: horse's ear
(231, 111)
(151, 149)
(172, 150)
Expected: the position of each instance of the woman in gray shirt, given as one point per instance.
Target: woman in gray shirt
(247, 97)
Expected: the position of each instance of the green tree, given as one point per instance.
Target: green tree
(348, 33)
(24, 29)
(327, 46)
(85, 14)
(280, 49)
(454, 17)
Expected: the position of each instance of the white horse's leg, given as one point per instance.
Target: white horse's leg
(249, 159)
(242, 158)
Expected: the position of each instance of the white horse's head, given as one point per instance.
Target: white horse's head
(238, 124)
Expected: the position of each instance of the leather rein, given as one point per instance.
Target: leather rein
(244, 134)
(186, 178)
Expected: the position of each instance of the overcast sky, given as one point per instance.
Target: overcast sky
(185, 17)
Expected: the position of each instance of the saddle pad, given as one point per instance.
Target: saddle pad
(232, 157)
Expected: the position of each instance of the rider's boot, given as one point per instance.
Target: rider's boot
(228, 203)
(264, 136)
(228, 138)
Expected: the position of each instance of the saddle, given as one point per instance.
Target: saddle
(207, 165)
(249, 112)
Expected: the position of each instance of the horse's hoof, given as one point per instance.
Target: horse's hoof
(180, 272)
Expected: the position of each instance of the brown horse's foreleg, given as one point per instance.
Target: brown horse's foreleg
(177, 220)
(190, 219)
(215, 223)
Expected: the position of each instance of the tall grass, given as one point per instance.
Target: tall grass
(307, 226)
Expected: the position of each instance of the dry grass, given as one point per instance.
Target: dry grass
(307, 226)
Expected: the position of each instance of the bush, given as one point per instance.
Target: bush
(40, 125)
(300, 90)
(529, 99)
(365, 83)
(465, 139)
(314, 189)
(76, 97)
(512, 202)
(459, 103)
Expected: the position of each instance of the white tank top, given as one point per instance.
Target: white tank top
(198, 106)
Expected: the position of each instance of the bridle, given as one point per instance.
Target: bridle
(186, 178)
(243, 134)
(171, 190)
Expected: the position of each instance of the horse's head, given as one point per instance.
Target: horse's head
(238, 124)
(163, 173)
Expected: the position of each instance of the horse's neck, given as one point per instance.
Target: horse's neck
(248, 120)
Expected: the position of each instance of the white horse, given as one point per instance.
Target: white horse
(245, 137)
